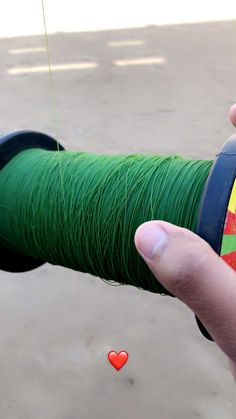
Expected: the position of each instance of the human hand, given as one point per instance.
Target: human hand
(196, 275)
(189, 268)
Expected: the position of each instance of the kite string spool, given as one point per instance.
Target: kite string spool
(106, 198)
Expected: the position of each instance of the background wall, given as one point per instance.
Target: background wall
(25, 17)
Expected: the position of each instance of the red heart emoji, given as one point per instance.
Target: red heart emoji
(118, 359)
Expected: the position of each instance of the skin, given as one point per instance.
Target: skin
(196, 275)
(232, 115)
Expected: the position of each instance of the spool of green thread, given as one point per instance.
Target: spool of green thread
(81, 210)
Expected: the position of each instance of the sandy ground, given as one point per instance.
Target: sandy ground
(57, 325)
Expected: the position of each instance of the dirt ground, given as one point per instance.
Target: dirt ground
(57, 325)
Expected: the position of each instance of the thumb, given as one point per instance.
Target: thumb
(188, 267)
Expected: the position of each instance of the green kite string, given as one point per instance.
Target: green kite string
(89, 224)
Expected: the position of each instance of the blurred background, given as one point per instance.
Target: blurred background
(126, 77)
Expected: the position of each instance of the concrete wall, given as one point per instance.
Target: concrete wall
(24, 17)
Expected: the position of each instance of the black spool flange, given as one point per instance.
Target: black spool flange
(215, 201)
(10, 146)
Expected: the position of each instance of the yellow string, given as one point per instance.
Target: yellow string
(53, 98)
(54, 105)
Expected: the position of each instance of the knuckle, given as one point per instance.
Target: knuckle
(182, 281)
(186, 276)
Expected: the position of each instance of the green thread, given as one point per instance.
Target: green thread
(90, 227)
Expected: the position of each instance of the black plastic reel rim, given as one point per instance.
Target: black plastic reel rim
(10, 145)
(214, 203)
